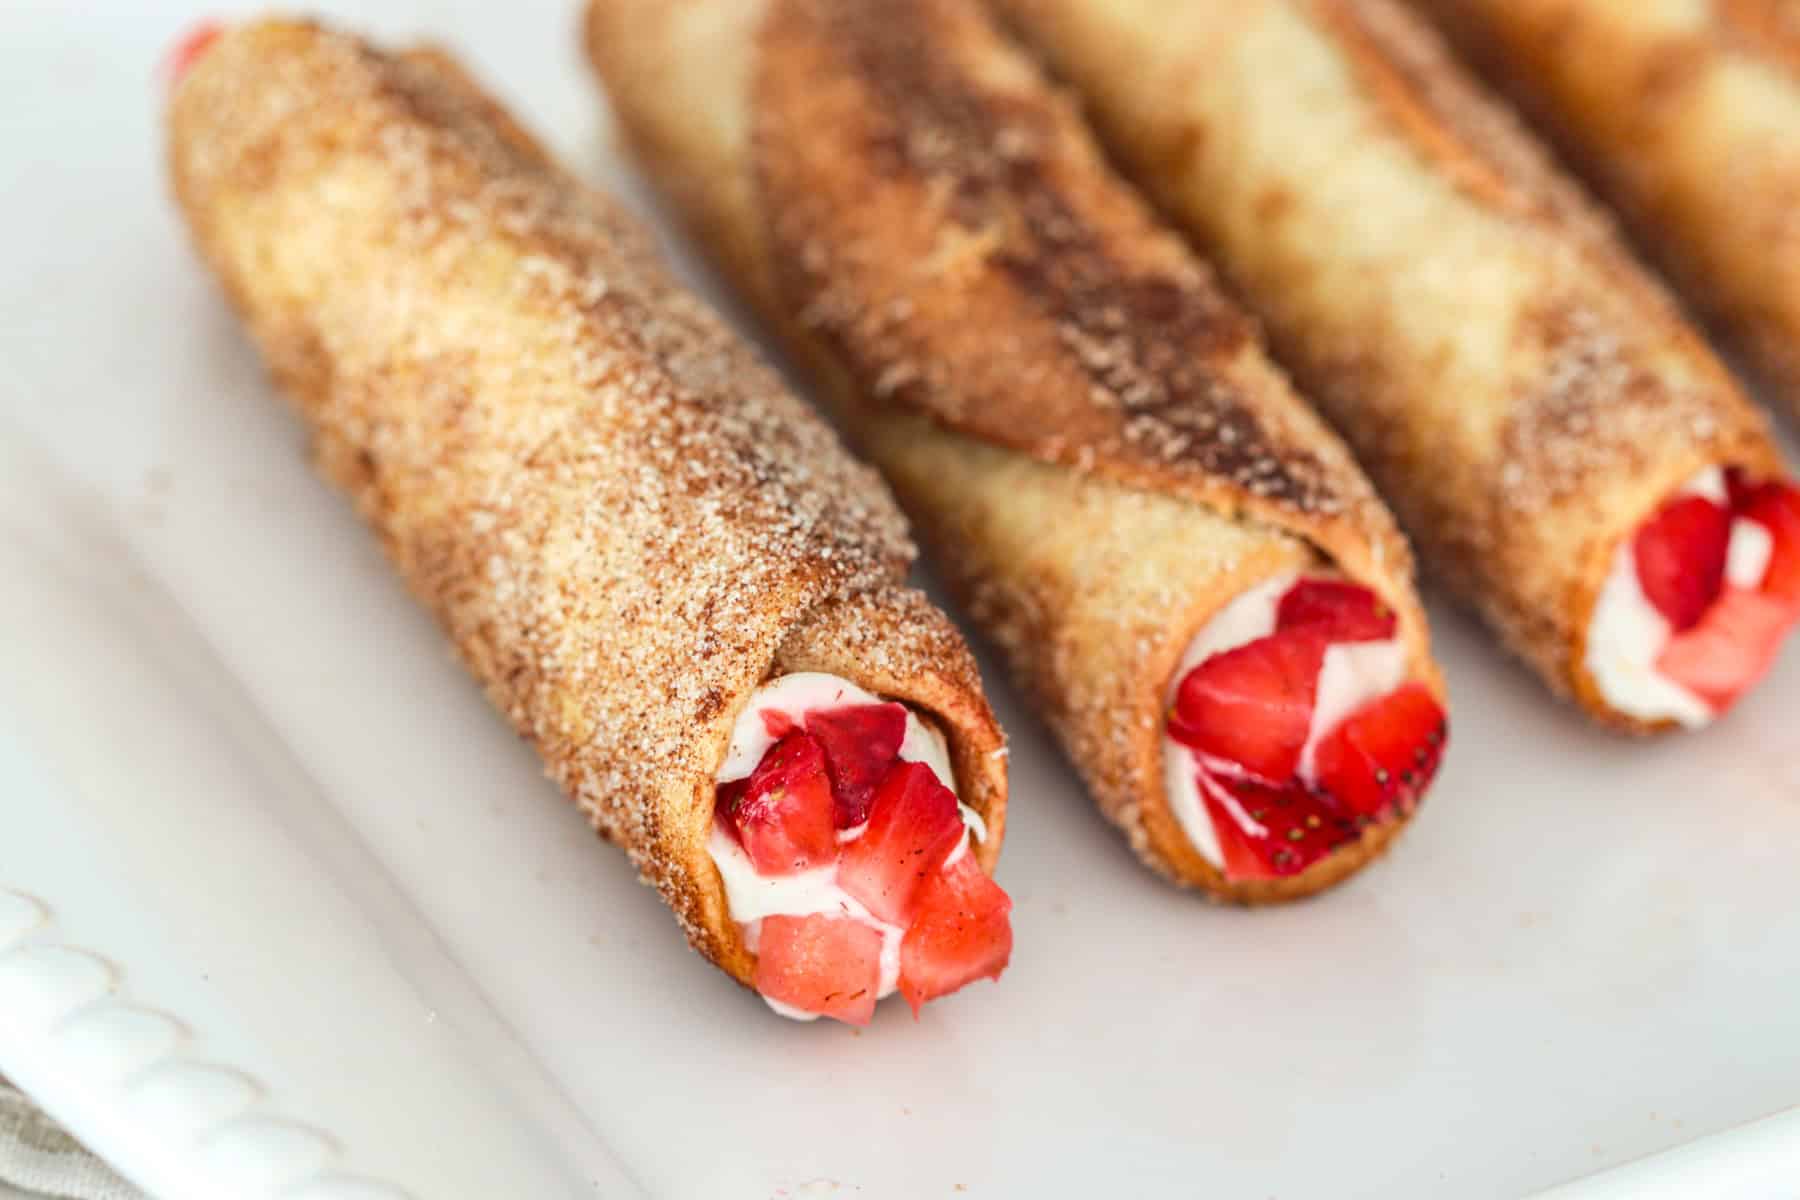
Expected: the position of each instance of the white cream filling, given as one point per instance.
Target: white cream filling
(1353, 674)
(1747, 558)
(752, 896)
(1627, 635)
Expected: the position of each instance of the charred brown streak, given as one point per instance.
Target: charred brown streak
(1143, 337)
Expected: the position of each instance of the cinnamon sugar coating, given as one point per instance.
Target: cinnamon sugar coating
(621, 517)
(1686, 119)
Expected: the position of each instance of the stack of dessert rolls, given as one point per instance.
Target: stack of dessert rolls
(1194, 584)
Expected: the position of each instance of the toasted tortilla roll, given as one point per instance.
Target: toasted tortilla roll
(623, 520)
(1085, 431)
(1524, 394)
(1686, 118)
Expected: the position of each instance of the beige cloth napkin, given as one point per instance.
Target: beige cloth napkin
(38, 1161)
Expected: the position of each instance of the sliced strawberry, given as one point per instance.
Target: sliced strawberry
(1680, 556)
(913, 825)
(1776, 506)
(777, 723)
(783, 813)
(192, 45)
(861, 741)
(1251, 706)
(961, 933)
(1381, 758)
(1337, 609)
(820, 964)
(1268, 832)
(1724, 656)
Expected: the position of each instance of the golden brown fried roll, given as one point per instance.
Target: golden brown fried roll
(652, 555)
(1686, 118)
(1571, 458)
(1192, 581)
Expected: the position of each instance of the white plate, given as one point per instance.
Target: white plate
(1581, 954)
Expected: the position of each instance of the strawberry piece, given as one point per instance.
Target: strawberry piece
(1776, 506)
(861, 742)
(913, 825)
(1337, 609)
(1724, 656)
(1269, 832)
(1680, 555)
(1381, 758)
(192, 45)
(963, 932)
(777, 723)
(1251, 706)
(820, 964)
(783, 813)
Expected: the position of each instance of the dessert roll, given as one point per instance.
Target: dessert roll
(665, 570)
(1566, 451)
(1184, 569)
(1686, 118)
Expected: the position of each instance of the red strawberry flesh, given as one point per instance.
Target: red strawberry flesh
(861, 742)
(1339, 610)
(1681, 554)
(192, 45)
(962, 932)
(1252, 706)
(1731, 649)
(1379, 760)
(820, 964)
(1269, 832)
(783, 814)
(1776, 506)
(914, 823)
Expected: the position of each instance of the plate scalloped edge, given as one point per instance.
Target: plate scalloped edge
(67, 1024)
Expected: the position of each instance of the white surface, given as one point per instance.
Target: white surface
(1583, 951)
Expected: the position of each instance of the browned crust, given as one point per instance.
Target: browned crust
(917, 208)
(620, 516)
(1769, 29)
(1695, 181)
(933, 230)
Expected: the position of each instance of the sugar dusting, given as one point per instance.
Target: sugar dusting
(615, 509)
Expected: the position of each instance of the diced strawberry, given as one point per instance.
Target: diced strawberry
(1251, 706)
(1724, 656)
(1380, 759)
(820, 964)
(1680, 556)
(1269, 832)
(783, 813)
(1777, 507)
(861, 741)
(1337, 609)
(192, 45)
(913, 825)
(962, 933)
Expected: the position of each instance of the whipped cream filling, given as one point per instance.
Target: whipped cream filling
(1354, 673)
(751, 895)
(1627, 635)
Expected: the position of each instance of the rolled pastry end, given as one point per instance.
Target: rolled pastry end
(1696, 601)
(853, 831)
(1299, 735)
